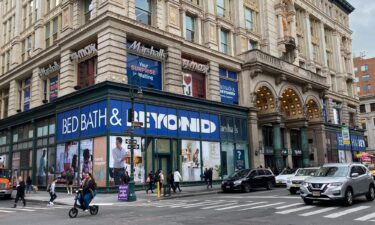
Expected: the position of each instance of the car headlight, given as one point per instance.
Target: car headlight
(237, 182)
(306, 184)
(337, 184)
(288, 181)
(223, 182)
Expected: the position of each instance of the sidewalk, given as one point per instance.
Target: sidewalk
(111, 198)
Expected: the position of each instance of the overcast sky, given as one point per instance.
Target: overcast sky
(362, 22)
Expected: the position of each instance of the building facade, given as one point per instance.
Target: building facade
(226, 84)
(367, 120)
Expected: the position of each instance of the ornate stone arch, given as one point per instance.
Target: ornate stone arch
(265, 98)
(291, 102)
(313, 108)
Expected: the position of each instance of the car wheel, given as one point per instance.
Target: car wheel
(348, 199)
(292, 192)
(308, 201)
(246, 188)
(269, 185)
(370, 196)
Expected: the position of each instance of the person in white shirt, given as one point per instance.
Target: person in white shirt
(52, 192)
(119, 156)
(177, 178)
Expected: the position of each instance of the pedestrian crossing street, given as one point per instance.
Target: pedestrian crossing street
(9, 210)
(357, 213)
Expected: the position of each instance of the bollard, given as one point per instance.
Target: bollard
(158, 189)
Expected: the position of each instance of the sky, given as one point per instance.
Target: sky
(362, 23)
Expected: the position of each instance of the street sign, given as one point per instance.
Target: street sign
(137, 124)
(131, 141)
(135, 146)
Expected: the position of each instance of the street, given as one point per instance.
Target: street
(275, 207)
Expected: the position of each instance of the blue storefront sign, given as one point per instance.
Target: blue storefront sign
(229, 91)
(93, 120)
(361, 143)
(148, 70)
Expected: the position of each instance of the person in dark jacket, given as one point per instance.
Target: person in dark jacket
(20, 192)
(209, 178)
(170, 182)
(88, 190)
(150, 181)
(29, 184)
(126, 178)
(205, 176)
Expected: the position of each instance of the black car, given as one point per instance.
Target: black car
(245, 180)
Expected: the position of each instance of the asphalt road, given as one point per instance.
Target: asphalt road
(275, 207)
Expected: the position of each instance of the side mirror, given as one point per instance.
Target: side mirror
(354, 175)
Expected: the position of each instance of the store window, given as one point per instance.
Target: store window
(267, 137)
(22, 150)
(143, 11)
(4, 143)
(228, 86)
(24, 88)
(86, 72)
(224, 38)
(190, 28)
(191, 160)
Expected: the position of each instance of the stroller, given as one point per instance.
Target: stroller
(78, 204)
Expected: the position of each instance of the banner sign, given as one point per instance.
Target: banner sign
(92, 120)
(345, 135)
(361, 144)
(53, 88)
(229, 91)
(340, 143)
(26, 95)
(187, 84)
(239, 159)
(123, 192)
(148, 70)
(354, 142)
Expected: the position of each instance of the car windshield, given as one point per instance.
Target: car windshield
(306, 172)
(238, 174)
(288, 172)
(332, 171)
(4, 173)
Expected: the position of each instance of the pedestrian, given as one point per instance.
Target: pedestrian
(29, 184)
(52, 192)
(177, 179)
(69, 181)
(88, 190)
(20, 192)
(205, 176)
(170, 182)
(210, 171)
(161, 180)
(126, 178)
(150, 182)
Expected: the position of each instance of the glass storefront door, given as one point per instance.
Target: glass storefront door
(164, 163)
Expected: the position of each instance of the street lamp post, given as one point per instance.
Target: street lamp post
(133, 91)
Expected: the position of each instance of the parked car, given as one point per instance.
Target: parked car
(247, 179)
(342, 182)
(293, 183)
(284, 175)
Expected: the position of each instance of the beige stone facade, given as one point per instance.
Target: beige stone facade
(295, 52)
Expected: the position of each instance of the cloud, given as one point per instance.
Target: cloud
(362, 22)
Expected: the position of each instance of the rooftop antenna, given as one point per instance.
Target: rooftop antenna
(362, 54)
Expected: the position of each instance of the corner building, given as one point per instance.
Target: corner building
(226, 85)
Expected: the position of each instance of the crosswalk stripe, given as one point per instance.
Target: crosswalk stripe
(238, 206)
(345, 212)
(295, 210)
(367, 217)
(288, 206)
(5, 211)
(201, 204)
(318, 211)
(17, 209)
(262, 206)
(217, 206)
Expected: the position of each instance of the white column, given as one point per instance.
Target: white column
(37, 89)
(323, 45)
(199, 29)
(13, 98)
(68, 74)
(308, 38)
(131, 9)
(183, 22)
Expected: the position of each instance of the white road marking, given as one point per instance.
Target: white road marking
(217, 206)
(318, 211)
(18, 209)
(102, 204)
(202, 204)
(345, 212)
(295, 210)
(288, 206)
(5, 211)
(238, 206)
(262, 206)
(367, 217)
(261, 197)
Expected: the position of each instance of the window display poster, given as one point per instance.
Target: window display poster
(191, 167)
(26, 98)
(86, 157)
(100, 161)
(67, 158)
(239, 161)
(229, 91)
(53, 88)
(211, 158)
(41, 166)
(119, 160)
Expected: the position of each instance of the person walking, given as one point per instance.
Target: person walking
(209, 174)
(52, 192)
(29, 184)
(20, 192)
(205, 176)
(177, 179)
(126, 178)
(161, 180)
(170, 182)
(69, 181)
(150, 181)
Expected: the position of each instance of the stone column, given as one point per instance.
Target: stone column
(114, 6)
(308, 39)
(13, 98)
(320, 141)
(199, 29)
(277, 146)
(288, 146)
(37, 89)
(323, 46)
(68, 74)
(173, 74)
(183, 22)
(256, 158)
(111, 56)
(2, 41)
(213, 86)
(131, 9)
(305, 147)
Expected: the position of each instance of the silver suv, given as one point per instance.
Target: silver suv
(338, 182)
